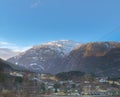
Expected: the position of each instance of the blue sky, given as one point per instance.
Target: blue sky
(24, 23)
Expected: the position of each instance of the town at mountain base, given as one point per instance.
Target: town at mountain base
(24, 83)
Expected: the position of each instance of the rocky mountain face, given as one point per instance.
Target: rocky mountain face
(100, 58)
(45, 58)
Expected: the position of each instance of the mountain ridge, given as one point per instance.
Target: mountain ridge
(89, 57)
(45, 56)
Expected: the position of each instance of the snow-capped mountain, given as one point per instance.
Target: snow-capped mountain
(43, 57)
(100, 58)
(64, 46)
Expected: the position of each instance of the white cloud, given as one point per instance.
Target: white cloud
(7, 53)
(7, 45)
(3, 43)
(36, 4)
(8, 50)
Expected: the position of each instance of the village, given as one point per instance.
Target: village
(29, 84)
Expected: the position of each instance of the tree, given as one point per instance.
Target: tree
(2, 78)
(56, 86)
(42, 88)
(18, 80)
(73, 86)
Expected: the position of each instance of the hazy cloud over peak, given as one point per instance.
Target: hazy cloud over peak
(8, 50)
(7, 53)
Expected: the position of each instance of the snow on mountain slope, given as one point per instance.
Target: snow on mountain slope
(43, 57)
(64, 46)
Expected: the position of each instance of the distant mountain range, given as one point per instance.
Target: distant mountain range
(100, 58)
(6, 53)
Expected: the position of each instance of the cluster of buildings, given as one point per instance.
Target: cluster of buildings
(48, 85)
(45, 84)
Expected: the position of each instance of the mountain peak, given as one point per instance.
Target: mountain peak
(62, 45)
